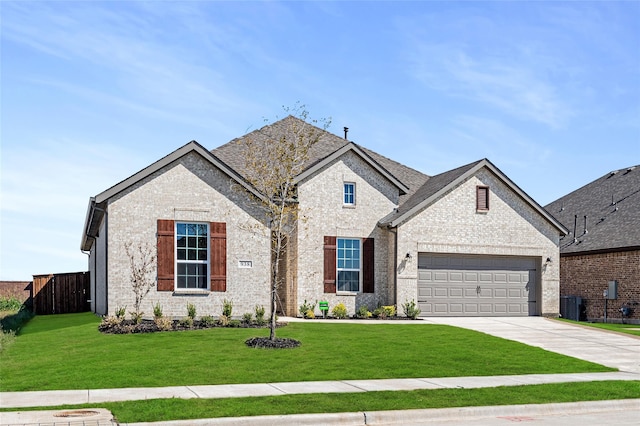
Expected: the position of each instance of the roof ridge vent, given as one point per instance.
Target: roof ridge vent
(615, 172)
(630, 169)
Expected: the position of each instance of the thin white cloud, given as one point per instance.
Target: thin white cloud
(506, 83)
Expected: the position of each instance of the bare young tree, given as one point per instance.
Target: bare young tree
(142, 262)
(273, 160)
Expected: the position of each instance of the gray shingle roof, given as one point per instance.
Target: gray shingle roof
(231, 153)
(612, 206)
(429, 188)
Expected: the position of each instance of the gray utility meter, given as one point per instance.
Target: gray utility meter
(611, 292)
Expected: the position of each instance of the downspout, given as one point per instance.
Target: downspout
(93, 293)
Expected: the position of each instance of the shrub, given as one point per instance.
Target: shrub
(259, 310)
(339, 311)
(136, 317)
(363, 312)
(10, 304)
(384, 312)
(191, 311)
(120, 311)
(227, 308)
(234, 323)
(186, 322)
(306, 307)
(157, 311)
(410, 309)
(223, 320)
(163, 324)
(246, 317)
(309, 314)
(207, 321)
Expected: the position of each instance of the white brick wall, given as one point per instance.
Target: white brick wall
(189, 189)
(452, 225)
(323, 213)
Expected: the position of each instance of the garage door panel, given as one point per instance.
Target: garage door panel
(474, 285)
(499, 277)
(471, 277)
(500, 292)
(456, 277)
(485, 277)
(440, 276)
(456, 292)
(440, 292)
(425, 275)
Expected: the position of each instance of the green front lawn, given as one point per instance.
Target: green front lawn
(633, 329)
(68, 352)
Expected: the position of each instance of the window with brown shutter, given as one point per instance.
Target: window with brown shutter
(330, 264)
(166, 235)
(482, 198)
(201, 250)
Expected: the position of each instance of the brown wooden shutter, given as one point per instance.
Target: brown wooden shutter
(329, 264)
(166, 241)
(368, 266)
(482, 198)
(218, 255)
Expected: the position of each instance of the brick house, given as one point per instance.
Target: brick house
(372, 232)
(603, 218)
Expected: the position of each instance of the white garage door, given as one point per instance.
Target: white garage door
(455, 285)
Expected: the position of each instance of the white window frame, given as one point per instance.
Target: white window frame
(192, 262)
(339, 269)
(352, 194)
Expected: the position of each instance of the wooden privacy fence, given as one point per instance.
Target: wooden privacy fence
(61, 293)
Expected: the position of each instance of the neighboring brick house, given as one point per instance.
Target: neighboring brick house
(371, 232)
(603, 245)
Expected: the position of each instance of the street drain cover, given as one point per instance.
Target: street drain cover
(77, 413)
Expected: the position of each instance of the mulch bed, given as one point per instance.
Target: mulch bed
(149, 326)
(277, 343)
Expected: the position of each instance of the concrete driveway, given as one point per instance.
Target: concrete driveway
(602, 347)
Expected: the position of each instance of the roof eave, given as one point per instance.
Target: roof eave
(341, 151)
(466, 175)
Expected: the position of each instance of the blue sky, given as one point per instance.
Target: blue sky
(92, 92)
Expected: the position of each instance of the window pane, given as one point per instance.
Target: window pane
(182, 254)
(202, 242)
(202, 255)
(202, 229)
(181, 229)
(182, 241)
(182, 282)
(191, 254)
(192, 242)
(348, 281)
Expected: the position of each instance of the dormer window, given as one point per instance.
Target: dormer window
(482, 198)
(349, 194)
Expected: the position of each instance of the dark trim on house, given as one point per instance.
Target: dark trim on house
(600, 251)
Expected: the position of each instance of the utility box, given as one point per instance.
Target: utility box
(612, 291)
(571, 307)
